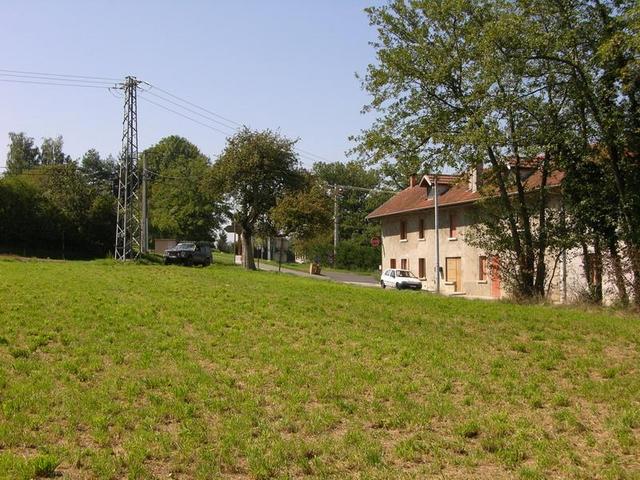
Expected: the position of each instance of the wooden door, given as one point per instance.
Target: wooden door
(495, 277)
(454, 273)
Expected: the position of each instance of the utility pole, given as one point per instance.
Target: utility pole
(335, 223)
(437, 231)
(127, 244)
(336, 218)
(144, 232)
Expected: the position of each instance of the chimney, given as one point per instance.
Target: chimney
(475, 177)
(413, 180)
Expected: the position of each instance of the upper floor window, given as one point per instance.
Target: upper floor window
(403, 230)
(421, 229)
(453, 225)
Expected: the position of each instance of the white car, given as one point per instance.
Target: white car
(396, 277)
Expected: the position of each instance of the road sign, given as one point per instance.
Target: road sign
(375, 242)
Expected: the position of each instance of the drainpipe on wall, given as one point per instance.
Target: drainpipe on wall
(437, 232)
(564, 260)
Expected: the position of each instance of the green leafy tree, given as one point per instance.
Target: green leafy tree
(304, 214)
(86, 217)
(222, 242)
(354, 198)
(593, 46)
(28, 221)
(51, 152)
(101, 173)
(595, 218)
(255, 169)
(461, 84)
(22, 155)
(181, 202)
(54, 210)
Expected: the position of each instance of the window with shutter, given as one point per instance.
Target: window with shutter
(482, 268)
(403, 230)
(453, 225)
(421, 268)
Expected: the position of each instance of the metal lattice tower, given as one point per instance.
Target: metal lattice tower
(128, 225)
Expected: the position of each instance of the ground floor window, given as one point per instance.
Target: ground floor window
(392, 263)
(592, 267)
(404, 264)
(422, 271)
(482, 268)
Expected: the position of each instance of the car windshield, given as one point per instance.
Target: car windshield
(186, 246)
(405, 273)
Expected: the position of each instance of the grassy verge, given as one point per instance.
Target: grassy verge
(304, 267)
(146, 371)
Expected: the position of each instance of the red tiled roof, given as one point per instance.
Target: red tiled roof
(415, 198)
(442, 179)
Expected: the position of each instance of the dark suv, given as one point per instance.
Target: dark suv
(188, 253)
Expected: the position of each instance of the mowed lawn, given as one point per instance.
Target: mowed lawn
(134, 371)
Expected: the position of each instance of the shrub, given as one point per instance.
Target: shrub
(356, 255)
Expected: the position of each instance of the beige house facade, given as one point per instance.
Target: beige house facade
(409, 240)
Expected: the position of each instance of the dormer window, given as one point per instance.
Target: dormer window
(442, 189)
(444, 183)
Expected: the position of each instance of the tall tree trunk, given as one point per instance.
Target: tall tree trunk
(528, 274)
(523, 283)
(541, 266)
(618, 273)
(588, 266)
(247, 249)
(597, 265)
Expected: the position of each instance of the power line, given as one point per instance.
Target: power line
(142, 97)
(183, 115)
(86, 81)
(62, 75)
(172, 177)
(195, 105)
(40, 77)
(309, 156)
(190, 110)
(314, 155)
(363, 189)
(52, 83)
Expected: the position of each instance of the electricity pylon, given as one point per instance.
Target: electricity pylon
(128, 225)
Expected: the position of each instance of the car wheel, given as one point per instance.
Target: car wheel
(398, 286)
(188, 262)
(382, 284)
(207, 262)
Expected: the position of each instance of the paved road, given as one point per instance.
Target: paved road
(342, 277)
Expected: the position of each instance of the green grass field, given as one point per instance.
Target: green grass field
(145, 371)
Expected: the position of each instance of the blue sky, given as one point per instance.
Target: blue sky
(285, 65)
